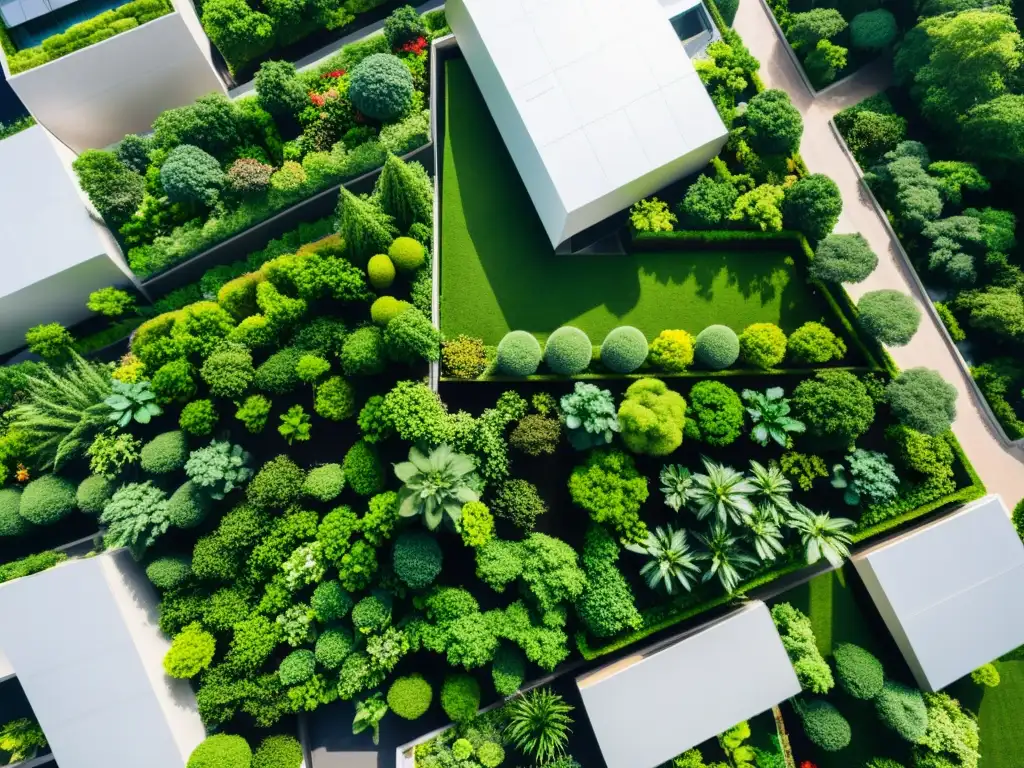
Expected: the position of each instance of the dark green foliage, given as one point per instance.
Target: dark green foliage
(860, 674)
(873, 30)
(824, 725)
(460, 698)
(277, 484)
(332, 647)
(519, 501)
(167, 573)
(624, 349)
(188, 506)
(806, 29)
(717, 347)
(568, 351)
(871, 128)
(190, 175)
(404, 24)
(715, 415)
(812, 205)
(508, 669)
(210, 123)
(297, 667)
(890, 316)
(111, 186)
(903, 710)
(410, 697)
(774, 125)
(330, 602)
(519, 354)
(47, 499)
(607, 605)
(173, 381)
(278, 89)
(922, 400)
(363, 470)
(321, 335)
(165, 453)
(794, 627)
(404, 191)
(835, 405)
(276, 376)
(708, 201)
(92, 495)
(381, 87)
(843, 259)
(417, 559)
(133, 151)
(364, 227)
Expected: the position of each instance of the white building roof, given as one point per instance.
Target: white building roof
(651, 707)
(950, 592)
(597, 101)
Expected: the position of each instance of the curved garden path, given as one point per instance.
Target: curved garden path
(1001, 468)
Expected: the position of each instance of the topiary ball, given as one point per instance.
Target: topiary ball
(188, 506)
(624, 349)
(860, 674)
(330, 601)
(164, 453)
(221, 751)
(873, 30)
(410, 697)
(324, 483)
(460, 698)
(332, 647)
(12, 523)
(717, 347)
(903, 709)
(568, 351)
(825, 726)
(490, 754)
(47, 499)
(417, 559)
(363, 471)
(381, 87)
(762, 345)
(169, 572)
(519, 354)
(297, 667)
(278, 752)
(386, 308)
(93, 494)
(381, 272)
(407, 254)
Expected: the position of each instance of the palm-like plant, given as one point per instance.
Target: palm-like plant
(765, 533)
(769, 411)
(677, 485)
(727, 558)
(538, 724)
(822, 535)
(436, 485)
(671, 560)
(723, 492)
(771, 488)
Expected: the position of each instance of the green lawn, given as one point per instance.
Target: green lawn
(999, 712)
(500, 273)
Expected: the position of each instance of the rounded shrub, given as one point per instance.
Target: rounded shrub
(825, 726)
(276, 485)
(169, 572)
(986, 675)
(890, 316)
(190, 175)
(568, 351)
(276, 376)
(717, 347)
(651, 418)
(228, 372)
(330, 601)
(843, 259)
(386, 308)
(873, 30)
(921, 399)
(174, 382)
(624, 349)
(198, 418)
(47, 499)
(297, 667)
(519, 354)
(332, 647)
(191, 652)
(462, 749)
(363, 470)
(672, 351)
(407, 254)
(221, 751)
(762, 345)
(188, 506)
(371, 614)
(716, 414)
(417, 559)
(519, 501)
(813, 343)
(324, 483)
(903, 710)
(859, 673)
(279, 751)
(402, 26)
(93, 494)
(381, 87)
(381, 271)
(490, 754)
(460, 698)
(363, 353)
(165, 453)
(409, 697)
(12, 523)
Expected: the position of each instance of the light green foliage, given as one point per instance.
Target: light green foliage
(811, 669)
(672, 351)
(417, 559)
(363, 352)
(624, 349)
(463, 357)
(304, 566)
(986, 675)
(760, 208)
(508, 670)
(191, 652)
(21, 738)
(295, 425)
(363, 470)
(922, 400)
(228, 372)
(460, 698)
(335, 399)
(407, 254)
(860, 674)
(174, 382)
(762, 345)
(814, 343)
(499, 563)
(365, 228)
(476, 525)
(335, 532)
(651, 418)
(278, 482)
(651, 215)
(956, 332)
(111, 302)
(219, 468)
(198, 418)
(386, 308)
(824, 725)
(51, 341)
(539, 724)
(47, 499)
(952, 734)
(606, 606)
(411, 337)
(324, 483)
(12, 523)
(297, 667)
(296, 624)
(279, 751)
(835, 405)
(410, 697)
(221, 751)
(311, 367)
(135, 517)
(111, 453)
(436, 485)
(822, 65)
(332, 647)
(609, 487)
(519, 354)
(169, 572)
(716, 347)
(568, 351)
(381, 272)
(551, 571)
(715, 415)
(165, 453)
(590, 416)
(903, 710)
(357, 567)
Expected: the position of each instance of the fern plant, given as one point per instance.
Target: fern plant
(295, 425)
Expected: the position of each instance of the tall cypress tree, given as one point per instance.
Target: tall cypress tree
(365, 228)
(404, 192)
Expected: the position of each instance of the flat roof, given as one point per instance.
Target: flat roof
(602, 91)
(649, 708)
(950, 592)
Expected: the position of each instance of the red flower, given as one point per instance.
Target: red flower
(807, 764)
(416, 46)
(316, 99)
(334, 73)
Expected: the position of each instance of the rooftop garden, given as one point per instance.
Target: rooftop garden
(15, 126)
(217, 167)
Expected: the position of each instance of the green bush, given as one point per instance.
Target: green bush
(873, 30)
(276, 485)
(403, 25)
(798, 639)
(407, 254)
(165, 453)
(188, 506)
(463, 357)
(276, 376)
(51, 341)
(26, 566)
(774, 125)
(859, 673)
(824, 725)
(715, 415)
(519, 354)
(279, 751)
(111, 302)
(47, 499)
(112, 187)
(903, 710)
(460, 698)
(624, 349)
(191, 652)
(12, 523)
(417, 559)
(922, 400)
(297, 667)
(812, 205)
(363, 352)
(169, 572)
(843, 259)
(381, 272)
(568, 351)
(363, 470)
(409, 697)
(651, 418)
(762, 345)
(672, 351)
(92, 495)
(330, 601)
(278, 89)
(335, 399)
(324, 483)
(386, 308)
(190, 175)
(332, 647)
(228, 372)
(198, 418)
(890, 316)
(610, 488)
(986, 675)
(835, 405)
(716, 347)
(221, 751)
(411, 337)
(519, 501)
(381, 87)
(813, 343)
(508, 669)
(253, 413)
(490, 754)
(174, 382)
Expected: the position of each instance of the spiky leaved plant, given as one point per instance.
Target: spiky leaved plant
(726, 556)
(769, 411)
(538, 724)
(822, 535)
(677, 485)
(722, 492)
(771, 488)
(765, 534)
(436, 485)
(671, 561)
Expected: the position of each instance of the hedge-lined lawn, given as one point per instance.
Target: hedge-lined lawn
(998, 710)
(499, 271)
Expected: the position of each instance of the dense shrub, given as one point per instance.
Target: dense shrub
(381, 87)
(774, 125)
(112, 187)
(332, 647)
(835, 405)
(409, 697)
(890, 316)
(169, 572)
(536, 435)
(843, 259)
(198, 417)
(188, 506)
(165, 453)
(606, 606)
(276, 376)
(812, 205)
(191, 652)
(297, 667)
(330, 601)
(247, 177)
(12, 523)
(417, 559)
(253, 413)
(51, 341)
(508, 670)
(624, 349)
(278, 483)
(651, 418)
(610, 488)
(174, 381)
(762, 345)
(47, 499)
(716, 414)
(403, 26)
(873, 30)
(111, 302)
(717, 347)
(407, 254)
(460, 698)
(335, 399)
(278, 89)
(813, 343)
(708, 202)
(324, 483)
(568, 351)
(859, 673)
(519, 502)
(903, 710)
(519, 354)
(463, 357)
(411, 337)
(228, 372)
(986, 675)
(363, 352)
(824, 725)
(363, 470)
(386, 308)
(279, 751)
(672, 351)
(922, 400)
(221, 751)
(797, 635)
(190, 175)
(92, 495)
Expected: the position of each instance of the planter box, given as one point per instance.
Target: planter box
(55, 252)
(93, 97)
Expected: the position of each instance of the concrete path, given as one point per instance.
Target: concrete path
(1001, 469)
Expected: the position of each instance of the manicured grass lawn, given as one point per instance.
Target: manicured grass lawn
(999, 712)
(500, 273)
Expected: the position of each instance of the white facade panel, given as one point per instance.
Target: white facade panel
(601, 91)
(647, 709)
(948, 592)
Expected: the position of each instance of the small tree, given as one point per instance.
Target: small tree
(817, 24)
(403, 192)
(279, 91)
(843, 259)
(774, 126)
(812, 205)
(921, 399)
(365, 228)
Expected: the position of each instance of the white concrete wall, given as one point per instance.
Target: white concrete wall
(93, 97)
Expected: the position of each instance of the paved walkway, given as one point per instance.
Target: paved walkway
(1001, 469)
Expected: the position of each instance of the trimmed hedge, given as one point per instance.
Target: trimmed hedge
(519, 354)
(717, 347)
(568, 351)
(825, 725)
(624, 349)
(859, 673)
(47, 500)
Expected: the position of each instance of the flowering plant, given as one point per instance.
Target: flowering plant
(417, 46)
(335, 73)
